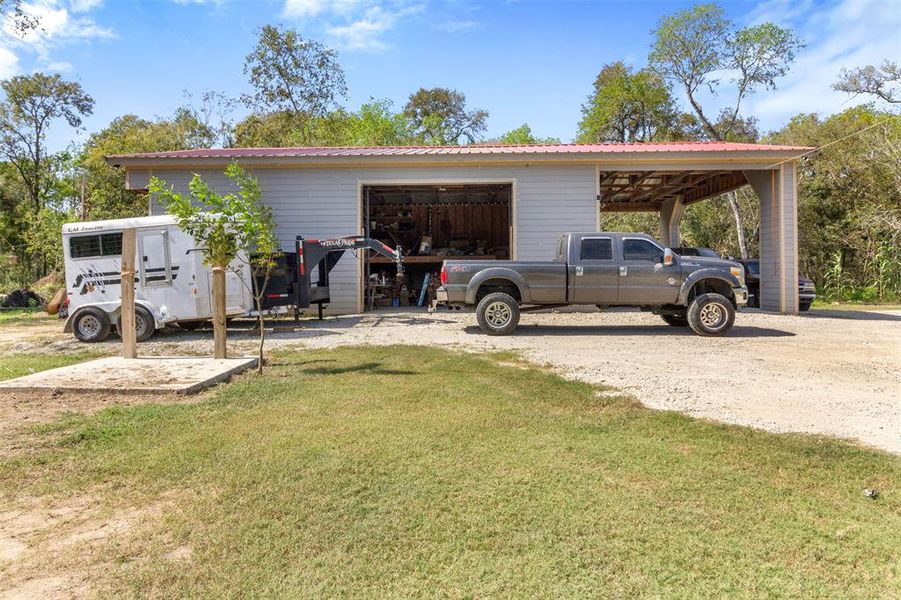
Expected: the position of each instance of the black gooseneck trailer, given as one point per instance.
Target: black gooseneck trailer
(290, 281)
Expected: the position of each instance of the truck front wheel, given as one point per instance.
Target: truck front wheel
(498, 314)
(711, 314)
(676, 320)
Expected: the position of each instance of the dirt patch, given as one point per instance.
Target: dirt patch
(52, 548)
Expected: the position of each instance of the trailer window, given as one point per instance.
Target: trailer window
(91, 246)
(597, 249)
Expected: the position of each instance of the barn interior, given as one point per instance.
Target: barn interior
(431, 223)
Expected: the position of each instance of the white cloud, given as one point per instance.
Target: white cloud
(9, 63)
(841, 34)
(58, 26)
(458, 26)
(353, 24)
(82, 6)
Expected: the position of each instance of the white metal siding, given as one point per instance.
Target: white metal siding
(325, 202)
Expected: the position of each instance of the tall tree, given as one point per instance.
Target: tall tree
(883, 82)
(628, 106)
(32, 104)
(694, 47)
(293, 75)
(439, 116)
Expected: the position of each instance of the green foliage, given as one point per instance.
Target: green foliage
(850, 200)
(106, 196)
(32, 103)
(375, 124)
(223, 224)
(294, 75)
(628, 106)
(439, 117)
(523, 135)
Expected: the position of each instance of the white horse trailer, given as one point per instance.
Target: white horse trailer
(172, 285)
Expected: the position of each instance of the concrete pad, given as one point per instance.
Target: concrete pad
(182, 375)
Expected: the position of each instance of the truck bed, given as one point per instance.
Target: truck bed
(545, 282)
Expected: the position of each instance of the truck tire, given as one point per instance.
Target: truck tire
(711, 314)
(498, 314)
(144, 324)
(680, 320)
(91, 325)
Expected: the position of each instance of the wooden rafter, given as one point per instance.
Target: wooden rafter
(647, 190)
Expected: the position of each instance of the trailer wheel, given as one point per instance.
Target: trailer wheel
(144, 324)
(498, 314)
(711, 314)
(91, 325)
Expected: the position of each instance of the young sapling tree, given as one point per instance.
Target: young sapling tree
(230, 228)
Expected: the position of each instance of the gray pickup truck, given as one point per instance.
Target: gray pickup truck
(604, 269)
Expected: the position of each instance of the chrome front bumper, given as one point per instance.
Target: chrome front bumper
(741, 295)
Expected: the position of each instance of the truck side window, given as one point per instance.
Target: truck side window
(596, 249)
(641, 250)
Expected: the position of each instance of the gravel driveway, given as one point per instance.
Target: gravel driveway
(826, 372)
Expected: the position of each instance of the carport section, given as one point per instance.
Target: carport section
(669, 188)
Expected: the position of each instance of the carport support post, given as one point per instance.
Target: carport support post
(127, 285)
(219, 312)
(670, 217)
(777, 192)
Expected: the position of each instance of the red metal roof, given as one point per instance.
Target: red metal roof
(470, 150)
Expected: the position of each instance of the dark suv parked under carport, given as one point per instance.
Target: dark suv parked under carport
(806, 288)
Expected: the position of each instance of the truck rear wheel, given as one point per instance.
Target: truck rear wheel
(498, 314)
(679, 320)
(711, 314)
(91, 325)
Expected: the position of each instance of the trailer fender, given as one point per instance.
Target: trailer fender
(502, 273)
(701, 274)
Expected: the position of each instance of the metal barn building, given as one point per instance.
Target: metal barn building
(495, 201)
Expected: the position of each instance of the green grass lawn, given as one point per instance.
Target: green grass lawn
(23, 316)
(16, 365)
(398, 472)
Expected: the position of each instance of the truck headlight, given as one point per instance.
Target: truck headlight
(738, 273)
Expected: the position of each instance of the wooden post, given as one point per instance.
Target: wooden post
(219, 312)
(127, 321)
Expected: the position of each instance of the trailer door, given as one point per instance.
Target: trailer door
(154, 258)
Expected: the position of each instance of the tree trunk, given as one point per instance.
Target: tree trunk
(219, 312)
(739, 224)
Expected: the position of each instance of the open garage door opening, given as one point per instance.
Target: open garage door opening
(431, 223)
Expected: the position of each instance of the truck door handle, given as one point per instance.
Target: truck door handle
(623, 271)
(580, 271)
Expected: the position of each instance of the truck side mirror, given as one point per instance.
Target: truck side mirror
(668, 257)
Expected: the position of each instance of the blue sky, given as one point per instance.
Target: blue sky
(523, 61)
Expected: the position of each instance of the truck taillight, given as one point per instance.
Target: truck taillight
(443, 275)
